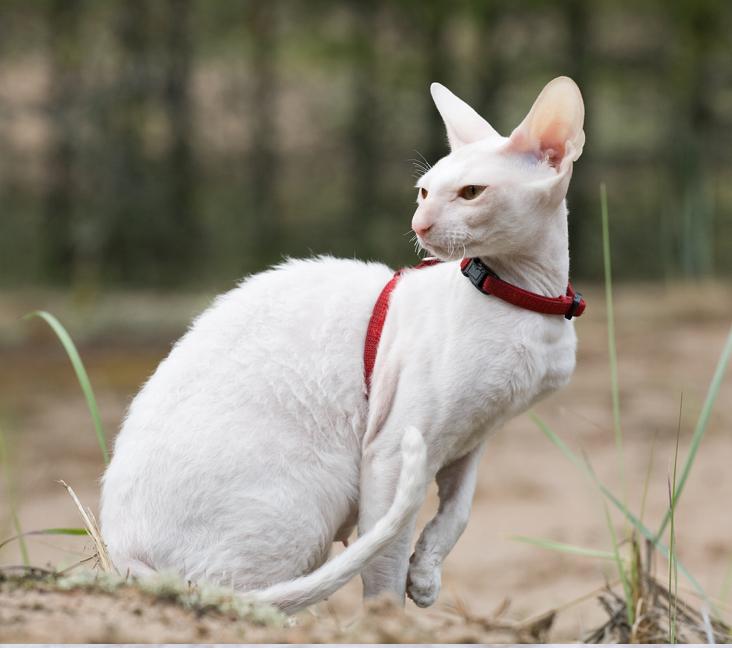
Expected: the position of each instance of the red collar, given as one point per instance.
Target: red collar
(484, 279)
(488, 282)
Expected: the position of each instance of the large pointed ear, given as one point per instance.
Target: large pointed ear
(463, 124)
(553, 128)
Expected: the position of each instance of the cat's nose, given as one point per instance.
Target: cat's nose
(420, 226)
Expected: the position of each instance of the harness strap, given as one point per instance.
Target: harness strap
(486, 281)
(378, 317)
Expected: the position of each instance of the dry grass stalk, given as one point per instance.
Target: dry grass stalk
(533, 630)
(92, 528)
(652, 619)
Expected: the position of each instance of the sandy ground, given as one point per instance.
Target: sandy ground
(668, 343)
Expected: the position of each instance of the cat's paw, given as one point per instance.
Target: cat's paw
(423, 583)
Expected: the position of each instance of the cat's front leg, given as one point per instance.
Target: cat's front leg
(380, 467)
(456, 487)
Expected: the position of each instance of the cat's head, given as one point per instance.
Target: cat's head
(494, 196)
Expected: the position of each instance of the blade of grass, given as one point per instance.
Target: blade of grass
(627, 589)
(44, 532)
(553, 545)
(625, 579)
(647, 481)
(635, 522)
(589, 473)
(10, 490)
(673, 572)
(726, 582)
(612, 352)
(81, 375)
(701, 426)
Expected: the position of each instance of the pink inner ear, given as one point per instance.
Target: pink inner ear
(555, 119)
(553, 140)
(548, 145)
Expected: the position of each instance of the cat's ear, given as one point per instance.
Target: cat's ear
(463, 124)
(553, 128)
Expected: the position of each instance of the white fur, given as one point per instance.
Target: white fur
(253, 447)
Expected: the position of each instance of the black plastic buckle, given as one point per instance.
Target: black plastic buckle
(477, 272)
(573, 306)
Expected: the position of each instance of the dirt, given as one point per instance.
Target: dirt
(34, 610)
(668, 338)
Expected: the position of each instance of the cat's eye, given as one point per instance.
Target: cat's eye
(423, 192)
(471, 191)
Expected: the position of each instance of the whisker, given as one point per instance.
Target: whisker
(424, 159)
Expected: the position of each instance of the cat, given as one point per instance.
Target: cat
(254, 446)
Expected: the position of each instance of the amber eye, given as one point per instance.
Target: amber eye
(423, 192)
(471, 191)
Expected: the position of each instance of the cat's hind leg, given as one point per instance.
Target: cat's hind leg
(456, 487)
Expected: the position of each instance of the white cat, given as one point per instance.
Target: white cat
(254, 447)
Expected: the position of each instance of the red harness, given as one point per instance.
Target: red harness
(484, 279)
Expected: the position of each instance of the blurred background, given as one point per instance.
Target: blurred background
(153, 153)
(183, 143)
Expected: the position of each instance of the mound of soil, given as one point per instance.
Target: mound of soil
(37, 608)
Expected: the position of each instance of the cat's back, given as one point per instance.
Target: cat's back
(287, 339)
(302, 314)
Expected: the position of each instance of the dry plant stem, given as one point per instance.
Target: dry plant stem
(535, 629)
(657, 609)
(92, 529)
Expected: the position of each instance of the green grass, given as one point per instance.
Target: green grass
(81, 376)
(629, 573)
(701, 426)
(10, 490)
(545, 543)
(611, 344)
(64, 531)
(86, 387)
(673, 569)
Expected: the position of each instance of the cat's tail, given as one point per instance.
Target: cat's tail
(306, 590)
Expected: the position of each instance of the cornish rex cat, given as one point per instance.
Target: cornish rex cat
(255, 446)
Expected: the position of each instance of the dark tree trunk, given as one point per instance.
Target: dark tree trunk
(128, 254)
(489, 67)
(583, 199)
(435, 14)
(697, 30)
(178, 248)
(60, 201)
(262, 17)
(364, 130)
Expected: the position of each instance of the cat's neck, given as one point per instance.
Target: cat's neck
(544, 269)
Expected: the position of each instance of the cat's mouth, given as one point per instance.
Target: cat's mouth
(449, 252)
